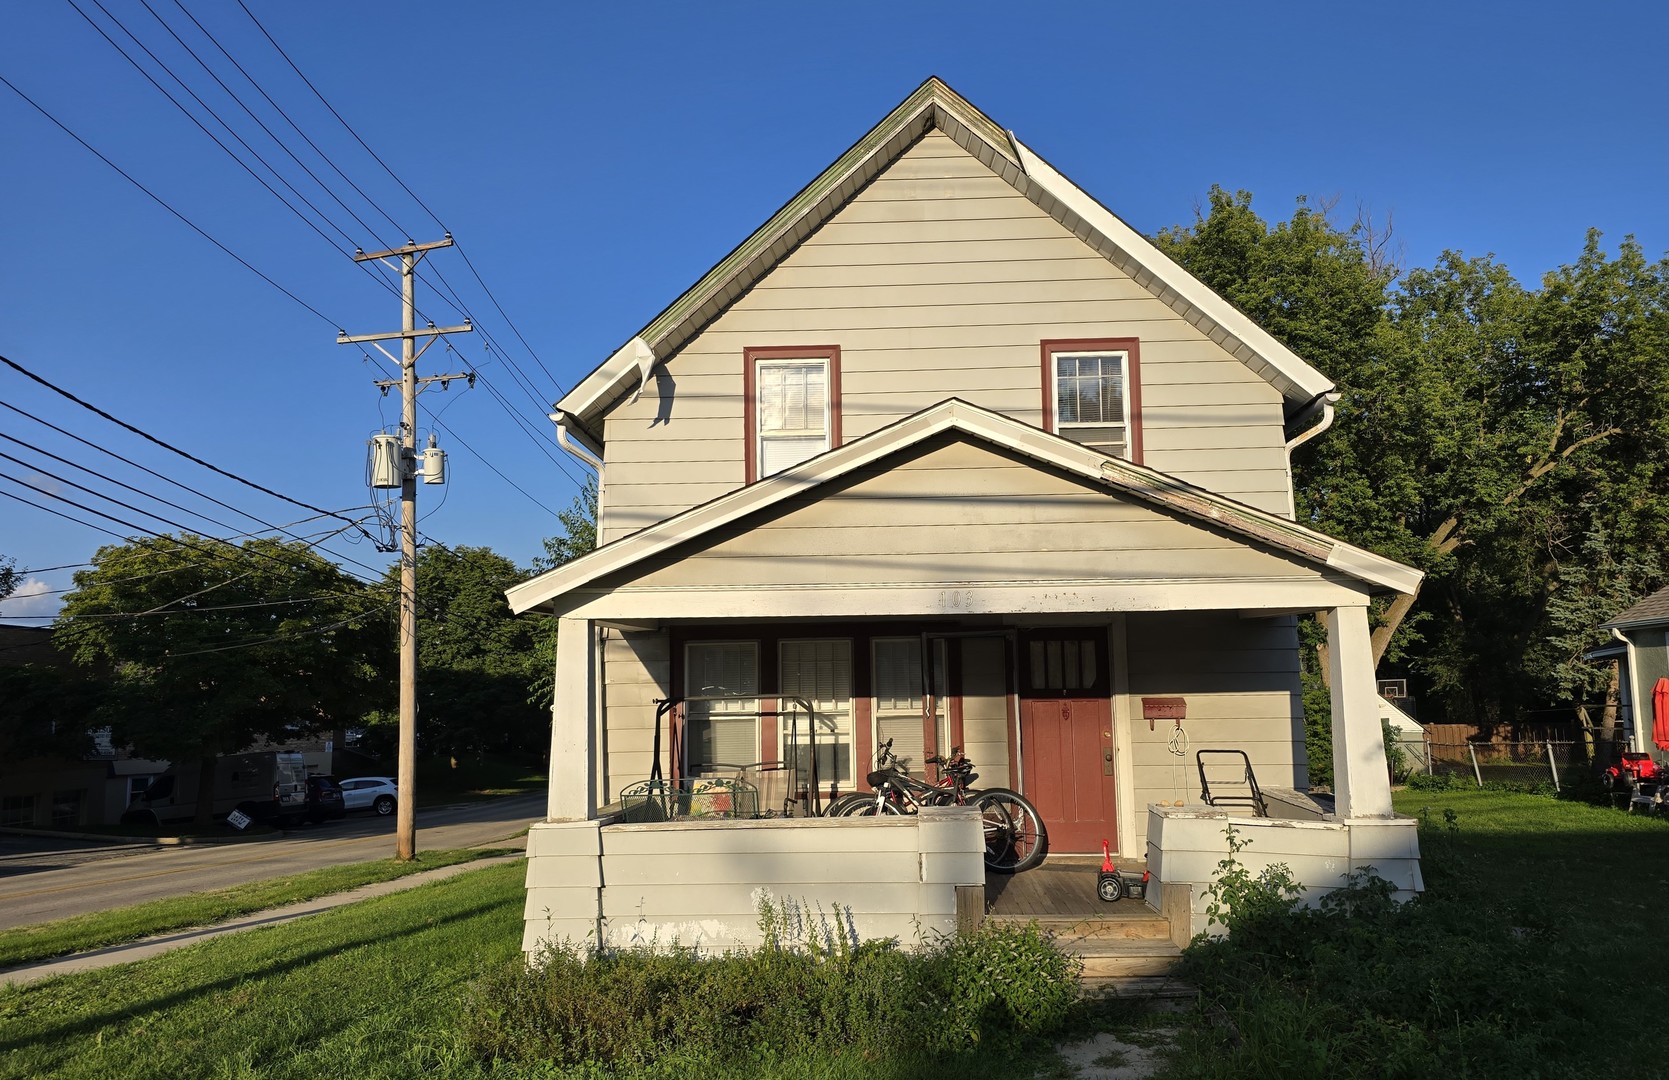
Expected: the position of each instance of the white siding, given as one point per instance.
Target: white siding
(1239, 678)
(962, 513)
(940, 280)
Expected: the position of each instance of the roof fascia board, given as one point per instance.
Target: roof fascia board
(1042, 446)
(1170, 282)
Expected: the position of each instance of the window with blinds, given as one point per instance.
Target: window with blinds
(793, 412)
(901, 693)
(1091, 405)
(821, 673)
(714, 734)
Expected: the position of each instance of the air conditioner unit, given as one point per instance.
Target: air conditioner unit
(1393, 688)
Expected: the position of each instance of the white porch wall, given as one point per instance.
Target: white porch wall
(699, 884)
(1185, 846)
(1239, 678)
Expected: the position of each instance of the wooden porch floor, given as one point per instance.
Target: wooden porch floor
(1062, 885)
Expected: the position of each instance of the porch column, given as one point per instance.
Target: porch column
(572, 795)
(1361, 785)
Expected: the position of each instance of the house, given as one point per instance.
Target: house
(1641, 648)
(953, 455)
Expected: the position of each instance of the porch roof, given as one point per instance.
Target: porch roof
(569, 586)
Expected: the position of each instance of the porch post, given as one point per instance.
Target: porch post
(1361, 785)
(572, 795)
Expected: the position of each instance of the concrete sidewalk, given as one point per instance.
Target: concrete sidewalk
(145, 948)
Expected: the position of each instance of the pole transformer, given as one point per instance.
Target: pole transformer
(405, 843)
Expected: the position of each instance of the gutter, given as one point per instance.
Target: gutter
(575, 443)
(1325, 400)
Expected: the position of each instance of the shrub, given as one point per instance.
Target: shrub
(798, 994)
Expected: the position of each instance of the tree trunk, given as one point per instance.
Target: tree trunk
(1608, 719)
(205, 789)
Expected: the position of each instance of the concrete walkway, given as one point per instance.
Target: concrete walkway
(145, 948)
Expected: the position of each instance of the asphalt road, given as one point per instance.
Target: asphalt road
(44, 879)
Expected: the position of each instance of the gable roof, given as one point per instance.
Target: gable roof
(935, 106)
(1653, 609)
(1114, 474)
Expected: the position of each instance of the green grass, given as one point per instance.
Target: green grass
(42, 941)
(439, 781)
(1539, 918)
(366, 990)
(375, 989)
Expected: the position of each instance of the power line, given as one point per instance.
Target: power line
(20, 369)
(198, 229)
(284, 637)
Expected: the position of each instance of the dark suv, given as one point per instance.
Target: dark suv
(324, 799)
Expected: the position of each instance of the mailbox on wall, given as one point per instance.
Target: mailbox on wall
(1164, 708)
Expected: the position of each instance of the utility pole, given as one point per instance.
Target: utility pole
(405, 843)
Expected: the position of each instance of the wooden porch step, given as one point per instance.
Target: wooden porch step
(1125, 959)
(1128, 921)
(1151, 987)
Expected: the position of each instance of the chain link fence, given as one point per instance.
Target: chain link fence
(1554, 761)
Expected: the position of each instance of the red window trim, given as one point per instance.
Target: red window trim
(1132, 379)
(750, 401)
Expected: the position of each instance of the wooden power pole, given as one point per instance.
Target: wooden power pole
(405, 843)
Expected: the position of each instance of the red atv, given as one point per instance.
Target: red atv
(1635, 767)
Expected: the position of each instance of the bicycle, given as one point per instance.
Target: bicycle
(1015, 837)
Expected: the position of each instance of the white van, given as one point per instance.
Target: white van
(270, 786)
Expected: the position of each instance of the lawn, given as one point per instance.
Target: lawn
(1519, 965)
(41, 941)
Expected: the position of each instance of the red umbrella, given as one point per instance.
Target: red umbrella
(1660, 714)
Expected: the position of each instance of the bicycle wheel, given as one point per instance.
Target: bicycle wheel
(1015, 838)
(868, 805)
(845, 804)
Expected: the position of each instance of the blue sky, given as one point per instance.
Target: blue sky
(593, 161)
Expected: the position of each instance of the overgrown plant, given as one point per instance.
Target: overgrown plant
(810, 989)
(1238, 900)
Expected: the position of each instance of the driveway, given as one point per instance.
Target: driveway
(53, 879)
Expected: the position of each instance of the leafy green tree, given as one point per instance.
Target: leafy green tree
(212, 647)
(476, 661)
(579, 531)
(578, 536)
(9, 577)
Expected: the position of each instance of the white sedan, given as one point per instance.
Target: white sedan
(370, 793)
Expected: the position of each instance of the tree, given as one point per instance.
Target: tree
(9, 577)
(213, 647)
(476, 660)
(579, 531)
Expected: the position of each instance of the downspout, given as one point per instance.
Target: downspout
(565, 440)
(1325, 400)
(1631, 717)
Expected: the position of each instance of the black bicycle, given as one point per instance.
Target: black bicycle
(1015, 838)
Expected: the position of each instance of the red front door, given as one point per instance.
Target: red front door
(1066, 737)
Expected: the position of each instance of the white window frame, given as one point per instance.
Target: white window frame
(1067, 429)
(842, 737)
(705, 712)
(763, 438)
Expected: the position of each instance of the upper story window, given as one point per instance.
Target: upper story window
(793, 406)
(1092, 394)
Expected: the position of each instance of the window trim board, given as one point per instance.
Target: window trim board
(1131, 347)
(751, 355)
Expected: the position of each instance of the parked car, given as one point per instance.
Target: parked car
(324, 799)
(378, 793)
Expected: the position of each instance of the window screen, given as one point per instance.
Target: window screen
(1090, 400)
(714, 733)
(821, 673)
(793, 412)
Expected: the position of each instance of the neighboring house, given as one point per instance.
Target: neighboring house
(54, 791)
(1642, 653)
(954, 454)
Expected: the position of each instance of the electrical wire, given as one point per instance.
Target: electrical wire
(160, 201)
(20, 369)
(287, 637)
